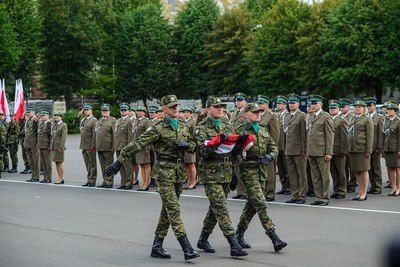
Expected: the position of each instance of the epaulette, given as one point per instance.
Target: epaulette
(113, 118)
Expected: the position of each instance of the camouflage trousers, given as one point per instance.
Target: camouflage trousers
(13, 153)
(24, 153)
(255, 203)
(1, 161)
(170, 211)
(5, 156)
(218, 209)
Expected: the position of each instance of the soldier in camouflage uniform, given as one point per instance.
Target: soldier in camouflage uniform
(253, 172)
(13, 142)
(3, 136)
(5, 152)
(21, 124)
(216, 174)
(171, 138)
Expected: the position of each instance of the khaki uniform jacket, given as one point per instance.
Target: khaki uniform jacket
(391, 132)
(31, 127)
(88, 134)
(123, 133)
(237, 118)
(360, 135)
(270, 121)
(296, 135)
(377, 119)
(105, 134)
(340, 136)
(320, 135)
(139, 127)
(44, 135)
(281, 120)
(348, 116)
(191, 124)
(59, 135)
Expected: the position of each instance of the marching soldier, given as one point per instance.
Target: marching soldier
(253, 171)
(350, 175)
(141, 125)
(171, 138)
(59, 131)
(3, 137)
(190, 158)
(43, 146)
(238, 118)
(216, 174)
(88, 142)
(13, 142)
(375, 173)
(21, 137)
(31, 127)
(270, 122)
(338, 161)
(105, 143)
(281, 104)
(153, 120)
(123, 136)
(5, 152)
(295, 131)
(319, 150)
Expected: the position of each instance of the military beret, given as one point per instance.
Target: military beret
(188, 109)
(88, 106)
(105, 107)
(393, 105)
(315, 98)
(263, 99)
(169, 100)
(344, 101)
(214, 101)
(359, 103)
(294, 98)
(142, 108)
(45, 112)
(252, 107)
(281, 99)
(240, 96)
(370, 100)
(124, 106)
(29, 109)
(333, 103)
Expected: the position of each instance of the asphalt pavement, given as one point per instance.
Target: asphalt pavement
(70, 225)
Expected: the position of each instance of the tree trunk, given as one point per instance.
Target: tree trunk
(69, 99)
(203, 97)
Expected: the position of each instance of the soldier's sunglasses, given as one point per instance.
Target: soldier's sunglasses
(123, 109)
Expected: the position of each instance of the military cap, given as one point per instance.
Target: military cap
(45, 112)
(240, 96)
(159, 109)
(169, 100)
(180, 109)
(197, 111)
(315, 98)
(385, 105)
(88, 106)
(232, 109)
(152, 109)
(281, 99)
(370, 100)
(294, 98)
(333, 103)
(12, 114)
(276, 109)
(131, 108)
(393, 105)
(142, 108)
(2, 114)
(308, 104)
(252, 107)
(105, 107)
(263, 99)
(124, 106)
(29, 109)
(58, 114)
(359, 103)
(188, 109)
(344, 101)
(214, 101)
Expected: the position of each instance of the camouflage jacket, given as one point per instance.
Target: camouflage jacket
(13, 133)
(3, 135)
(162, 136)
(213, 172)
(263, 144)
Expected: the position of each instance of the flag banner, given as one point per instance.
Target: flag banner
(3, 101)
(19, 105)
(228, 145)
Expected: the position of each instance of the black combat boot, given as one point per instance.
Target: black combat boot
(240, 238)
(203, 243)
(236, 249)
(276, 241)
(188, 251)
(157, 250)
(6, 169)
(26, 170)
(14, 169)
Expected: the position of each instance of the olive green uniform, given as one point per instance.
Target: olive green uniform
(360, 137)
(140, 126)
(281, 162)
(13, 141)
(21, 124)
(59, 131)
(105, 142)
(44, 143)
(190, 157)
(375, 173)
(31, 127)
(310, 189)
(350, 175)
(168, 170)
(254, 175)
(123, 136)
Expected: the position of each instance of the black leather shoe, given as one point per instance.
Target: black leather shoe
(350, 190)
(356, 198)
(281, 192)
(121, 187)
(45, 181)
(62, 182)
(85, 184)
(340, 197)
(269, 199)
(33, 180)
(376, 192)
(90, 185)
(301, 201)
(312, 194)
(102, 185)
(137, 183)
(370, 191)
(390, 195)
(333, 195)
(323, 203)
(315, 203)
(291, 200)
(288, 193)
(362, 199)
(191, 188)
(388, 186)
(108, 186)
(127, 187)
(237, 197)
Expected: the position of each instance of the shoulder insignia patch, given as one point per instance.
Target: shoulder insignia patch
(197, 131)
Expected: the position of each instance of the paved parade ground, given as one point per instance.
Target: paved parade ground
(68, 225)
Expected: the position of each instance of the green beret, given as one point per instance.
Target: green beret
(29, 109)
(344, 101)
(124, 105)
(315, 98)
(281, 99)
(188, 109)
(58, 114)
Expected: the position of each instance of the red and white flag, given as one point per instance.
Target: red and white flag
(228, 145)
(3, 101)
(19, 105)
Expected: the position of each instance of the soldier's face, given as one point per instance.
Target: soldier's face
(57, 118)
(180, 114)
(263, 105)
(392, 112)
(192, 115)
(309, 110)
(44, 117)
(171, 112)
(293, 106)
(358, 110)
(88, 112)
(160, 114)
(281, 106)
(2, 117)
(215, 112)
(124, 112)
(31, 114)
(140, 113)
(240, 103)
(316, 107)
(371, 108)
(105, 113)
(345, 109)
(253, 116)
(186, 114)
(333, 111)
(152, 115)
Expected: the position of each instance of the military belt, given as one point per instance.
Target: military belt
(172, 160)
(224, 159)
(252, 158)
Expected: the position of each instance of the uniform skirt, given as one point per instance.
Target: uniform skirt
(392, 161)
(56, 156)
(142, 157)
(190, 157)
(359, 162)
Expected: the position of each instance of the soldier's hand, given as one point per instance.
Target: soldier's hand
(367, 155)
(233, 184)
(113, 168)
(181, 143)
(80, 113)
(223, 138)
(38, 150)
(49, 149)
(266, 159)
(61, 151)
(242, 138)
(93, 150)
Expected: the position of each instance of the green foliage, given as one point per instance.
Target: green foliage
(224, 50)
(69, 118)
(192, 23)
(258, 7)
(274, 50)
(144, 54)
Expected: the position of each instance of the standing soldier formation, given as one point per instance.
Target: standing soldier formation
(13, 142)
